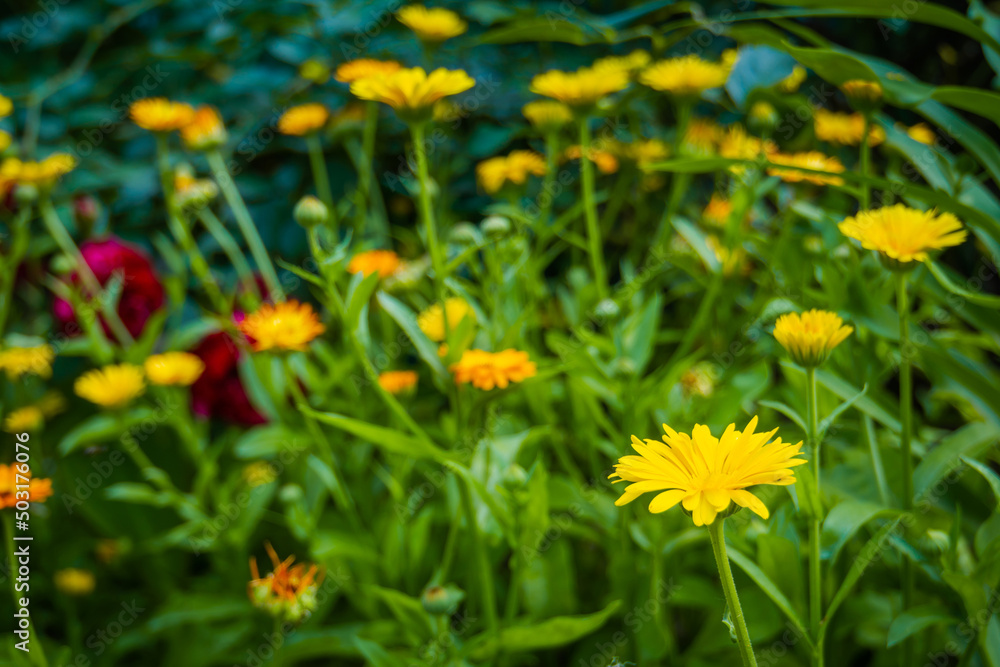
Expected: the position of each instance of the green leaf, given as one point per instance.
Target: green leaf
(839, 410)
(914, 620)
(268, 440)
(376, 655)
(408, 611)
(135, 492)
(980, 299)
(771, 590)
(103, 427)
(388, 439)
(870, 552)
(359, 293)
(845, 520)
(786, 410)
(970, 441)
(553, 28)
(987, 472)
(407, 321)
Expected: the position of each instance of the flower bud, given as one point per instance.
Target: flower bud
(464, 233)
(310, 212)
(864, 96)
(495, 226)
(441, 599)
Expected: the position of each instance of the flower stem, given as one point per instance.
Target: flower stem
(590, 212)
(482, 562)
(8, 272)
(866, 158)
(231, 248)
(243, 219)
(427, 210)
(548, 183)
(906, 427)
(815, 525)
(322, 178)
(716, 531)
(366, 175)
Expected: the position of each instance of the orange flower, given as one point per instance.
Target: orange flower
(288, 592)
(385, 262)
(159, 114)
(605, 161)
(289, 325)
(206, 130)
(10, 478)
(486, 370)
(398, 382)
(303, 119)
(363, 68)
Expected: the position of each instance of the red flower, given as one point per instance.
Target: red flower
(219, 391)
(141, 291)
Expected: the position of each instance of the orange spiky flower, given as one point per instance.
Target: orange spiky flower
(289, 591)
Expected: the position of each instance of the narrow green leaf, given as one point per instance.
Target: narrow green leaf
(380, 436)
(771, 590)
(839, 410)
(981, 299)
(407, 321)
(969, 441)
(991, 477)
(914, 620)
(869, 553)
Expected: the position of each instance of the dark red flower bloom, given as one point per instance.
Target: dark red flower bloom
(141, 291)
(219, 391)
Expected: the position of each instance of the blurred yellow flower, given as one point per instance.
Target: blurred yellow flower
(645, 152)
(44, 173)
(703, 135)
(111, 386)
(6, 106)
(486, 370)
(385, 262)
(903, 235)
(206, 130)
(363, 68)
(686, 76)
(717, 211)
(606, 162)
(808, 160)
(863, 95)
(923, 133)
(810, 337)
(74, 581)
(288, 325)
(303, 119)
(736, 144)
(707, 475)
(493, 173)
(5, 140)
(431, 320)
(432, 25)
(398, 382)
(629, 64)
(846, 129)
(581, 88)
(174, 368)
(18, 361)
(315, 71)
(793, 81)
(28, 418)
(158, 114)
(547, 115)
(412, 92)
(259, 473)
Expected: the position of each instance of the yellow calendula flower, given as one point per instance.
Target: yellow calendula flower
(645, 152)
(74, 581)
(111, 386)
(547, 115)
(158, 114)
(486, 370)
(259, 473)
(385, 262)
(793, 81)
(364, 68)
(432, 25)
(902, 235)
(808, 160)
(606, 162)
(174, 368)
(6, 106)
(288, 325)
(42, 174)
(5, 140)
(703, 136)
(863, 95)
(684, 76)
(412, 92)
(629, 64)
(18, 361)
(846, 129)
(809, 338)
(206, 130)
(288, 593)
(718, 211)
(28, 418)
(303, 119)
(582, 88)
(398, 382)
(192, 191)
(493, 173)
(431, 320)
(736, 144)
(923, 133)
(709, 476)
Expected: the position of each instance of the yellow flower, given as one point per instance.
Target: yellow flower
(314, 70)
(206, 130)
(629, 64)
(363, 68)
(605, 161)
(398, 382)
(174, 368)
(51, 404)
(28, 418)
(859, 89)
(159, 114)
(289, 592)
(288, 325)
(486, 370)
(703, 135)
(707, 475)
(791, 83)
(738, 145)
(259, 473)
(431, 320)
(303, 119)
(718, 211)
(923, 133)
(6, 106)
(846, 129)
(38, 489)
(732, 260)
(193, 191)
(446, 111)
(18, 361)
(902, 235)
(645, 152)
(5, 140)
(515, 168)
(581, 88)
(432, 25)
(412, 92)
(547, 115)
(687, 75)
(810, 337)
(111, 386)
(385, 262)
(44, 173)
(74, 581)
(808, 160)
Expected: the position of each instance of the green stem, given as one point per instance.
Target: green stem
(815, 524)
(716, 531)
(906, 423)
(548, 182)
(245, 222)
(877, 466)
(482, 561)
(8, 273)
(427, 210)
(866, 151)
(594, 247)
(366, 175)
(232, 249)
(321, 177)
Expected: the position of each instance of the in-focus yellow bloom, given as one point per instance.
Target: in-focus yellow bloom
(486, 370)
(398, 382)
(18, 361)
(809, 338)
(923, 133)
(303, 119)
(288, 325)
(685, 76)
(158, 114)
(606, 162)
(43, 174)
(793, 81)
(174, 368)
(206, 130)
(808, 160)
(28, 418)
(846, 129)
(364, 68)
(385, 262)
(513, 168)
(412, 92)
(431, 320)
(432, 25)
(74, 581)
(630, 64)
(289, 592)
(863, 95)
(111, 386)
(582, 88)
(6, 106)
(547, 115)
(903, 235)
(707, 475)
(10, 479)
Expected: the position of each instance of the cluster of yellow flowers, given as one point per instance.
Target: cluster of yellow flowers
(117, 385)
(513, 168)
